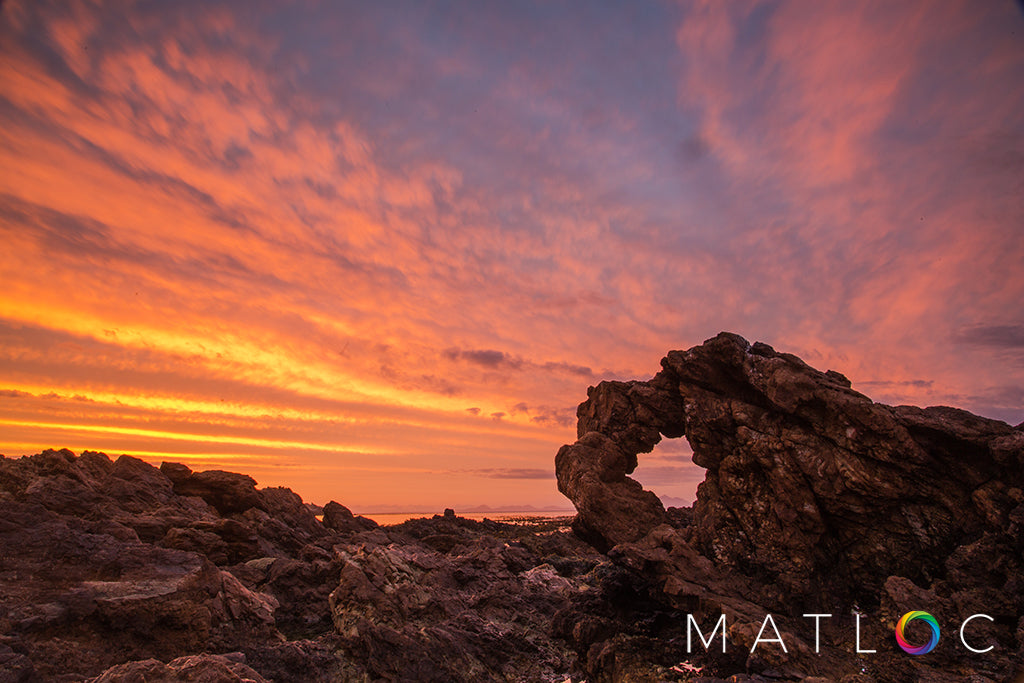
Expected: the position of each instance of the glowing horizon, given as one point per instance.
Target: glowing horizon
(378, 254)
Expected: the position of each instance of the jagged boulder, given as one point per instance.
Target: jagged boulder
(227, 491)
(340, 518)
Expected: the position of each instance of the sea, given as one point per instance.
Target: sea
(508, 517)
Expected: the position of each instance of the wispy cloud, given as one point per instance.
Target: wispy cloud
(485, 357)
(996, 336)
(915, 383)
(515, 473)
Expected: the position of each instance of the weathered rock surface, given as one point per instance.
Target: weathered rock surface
(119, 571)
(195, 668)
(459, 602)
(226, 491)
(340, 518)
(816, 499)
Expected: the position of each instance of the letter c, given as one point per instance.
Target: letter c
(964, 625)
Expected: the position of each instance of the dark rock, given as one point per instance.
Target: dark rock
(335, 513)
(204, 542)
(309, 661)
(286, 506)
(14, 667)
(340, 518)
(176, 472)
(814, 498)
(680, 518)
(111, 569)
(412, 613)
(63, 494)
(84, 601)
(241, 540)
(193, 668)
(798, 466)
(226, 491)
(304, 586)
(103, 562)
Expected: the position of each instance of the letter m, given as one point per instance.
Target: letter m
(691, 624)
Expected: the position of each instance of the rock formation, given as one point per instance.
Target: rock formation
(114, 570)
(195, 668)
(816, 499)
(340, 518)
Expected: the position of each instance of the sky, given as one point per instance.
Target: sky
(377, 252)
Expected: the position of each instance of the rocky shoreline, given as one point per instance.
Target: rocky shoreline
(816, 500)
(114, 570)
(112, 567)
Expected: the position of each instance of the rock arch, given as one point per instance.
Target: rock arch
(812, 491)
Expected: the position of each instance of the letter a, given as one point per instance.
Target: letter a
(777, 639)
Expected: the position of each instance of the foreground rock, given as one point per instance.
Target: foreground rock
(113, 570)
(815, 499)
(196, 668)
(454, 601)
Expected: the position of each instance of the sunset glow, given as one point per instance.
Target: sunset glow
(378, 253)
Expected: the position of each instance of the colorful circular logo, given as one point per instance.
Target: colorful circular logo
(901, 631)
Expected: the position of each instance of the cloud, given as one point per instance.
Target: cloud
(662, 475)
(993, 336)
(914, 383)
(513, 473)
(676, 450)
(486, 358)
(492, 359)
(1008, 395)
(570, 368)
(692, 149)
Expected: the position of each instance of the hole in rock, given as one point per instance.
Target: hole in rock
(670, 473)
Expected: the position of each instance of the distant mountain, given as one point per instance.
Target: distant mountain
(675, 502)
(475, 509)
(516, 508)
